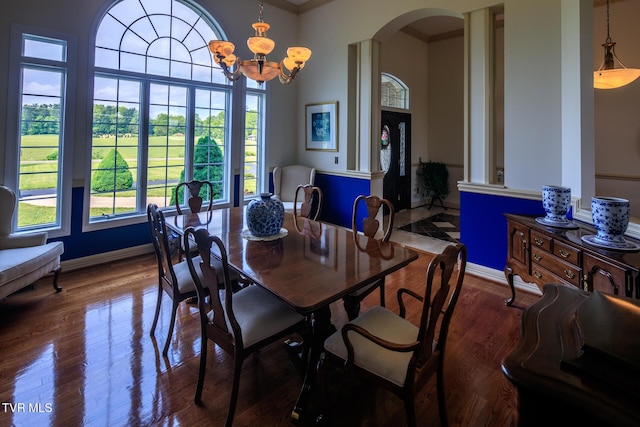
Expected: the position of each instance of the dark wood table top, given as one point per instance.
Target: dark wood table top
(314, 265)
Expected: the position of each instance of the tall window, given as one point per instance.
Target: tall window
(393, 92)
(253, 142)
(161, 109)
(39, 124)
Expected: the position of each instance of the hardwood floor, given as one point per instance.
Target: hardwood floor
(84, 357)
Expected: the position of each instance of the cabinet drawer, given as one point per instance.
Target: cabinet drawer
(605, 277)
(567, 253)
(540, 241)
(543, 276)
(566, 271)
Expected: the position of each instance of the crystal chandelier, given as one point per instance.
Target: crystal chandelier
(608, 76)
(259, 68)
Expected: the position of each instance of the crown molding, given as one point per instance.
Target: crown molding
(297, 9)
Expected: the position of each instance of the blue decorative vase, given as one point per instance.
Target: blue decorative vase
(265, 215)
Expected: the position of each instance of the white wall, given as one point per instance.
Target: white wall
(617, 111)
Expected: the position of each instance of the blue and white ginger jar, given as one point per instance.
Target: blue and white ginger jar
(610, 217)
(265, 215)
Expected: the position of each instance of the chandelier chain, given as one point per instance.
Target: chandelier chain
(260, 11)
(608, 36)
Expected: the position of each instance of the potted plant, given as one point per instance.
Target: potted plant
(433, 181)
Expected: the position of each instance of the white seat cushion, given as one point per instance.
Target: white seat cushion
(183, 275)
(260, 314)
(17, 262)
(387, 325)
(186, 283)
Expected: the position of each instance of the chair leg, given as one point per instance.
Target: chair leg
(56, 274)
(410, 408)
(203, 366)
(352, 307)
(171, 325)
(235, 388)
(382, 293)
(155, 317)
(442, 403)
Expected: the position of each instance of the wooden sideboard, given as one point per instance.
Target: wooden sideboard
(541, 254)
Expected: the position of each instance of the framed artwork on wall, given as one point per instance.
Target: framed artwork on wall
(322, 126)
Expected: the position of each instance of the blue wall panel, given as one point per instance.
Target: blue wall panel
(483, 226)
(80, 244)
(339, 193)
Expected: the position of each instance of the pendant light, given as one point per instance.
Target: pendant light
(612, 73)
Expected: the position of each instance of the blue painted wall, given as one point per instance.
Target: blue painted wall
(338, 195)
(80, 244)
(483, 226)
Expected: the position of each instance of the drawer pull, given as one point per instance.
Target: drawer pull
(569, 274)
(538, 241)
(537, 274)
(537, 257)
(563, 253)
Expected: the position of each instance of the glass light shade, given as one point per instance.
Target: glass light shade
(251, 69)
(260, 45)
(298, 53)
(614, 78)
(222, 48)
(230, 60)
(289, 63)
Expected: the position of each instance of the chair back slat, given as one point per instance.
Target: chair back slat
(370, 223)
(312, 203)
(445, 275)
(196, 192)
(210, 247)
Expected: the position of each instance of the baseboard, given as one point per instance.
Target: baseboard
(499, 277)
(92, 260)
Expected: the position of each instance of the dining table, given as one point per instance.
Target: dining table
(308, 265)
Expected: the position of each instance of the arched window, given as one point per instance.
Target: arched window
(161, 109)
(393, 92)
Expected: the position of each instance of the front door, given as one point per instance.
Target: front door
(395, 158)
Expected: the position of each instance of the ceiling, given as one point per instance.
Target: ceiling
(424, 29)
(427, 29)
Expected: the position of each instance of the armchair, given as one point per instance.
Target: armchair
(24, 258)
(393, 352)
(286, 180)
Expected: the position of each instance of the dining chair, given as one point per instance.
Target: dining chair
(286, 180)
(311, 205)
(391, 351)
(241, 322)
(175, 280)
(372, 228)
(194, 199)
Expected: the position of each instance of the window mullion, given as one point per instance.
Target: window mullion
(143, 144)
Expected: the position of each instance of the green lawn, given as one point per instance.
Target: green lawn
(165, 161)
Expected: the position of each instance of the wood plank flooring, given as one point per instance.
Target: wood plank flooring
(84, 357)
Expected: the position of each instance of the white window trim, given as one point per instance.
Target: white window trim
(12, 158)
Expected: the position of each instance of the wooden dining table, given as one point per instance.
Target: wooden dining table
(311, 265)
